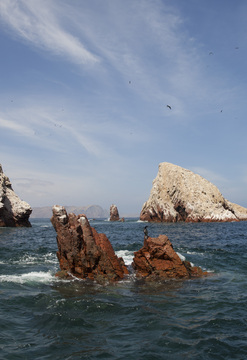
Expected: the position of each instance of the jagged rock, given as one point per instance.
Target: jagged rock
(114, 215)
(181, 195)
(158, 260)
(82, 252)
(13, 211)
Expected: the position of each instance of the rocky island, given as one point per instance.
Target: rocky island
(13, 211)
(158, 260)
(82, 251)
(85, 254)
(179, 194)
(114, 214)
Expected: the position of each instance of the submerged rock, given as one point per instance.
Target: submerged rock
(114, 215)
(181, 195)
(13, 211)
(158, 260)
(82, 252)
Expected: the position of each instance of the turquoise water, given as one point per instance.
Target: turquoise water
(43, 317)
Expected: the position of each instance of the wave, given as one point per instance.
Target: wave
(32, 277)
(194, 253)
(28, 259)
(126, 255)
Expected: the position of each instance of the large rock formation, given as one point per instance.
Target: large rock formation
(181, 195)
(114, 215)
(158, 260)
(82, 252)
(13, 211)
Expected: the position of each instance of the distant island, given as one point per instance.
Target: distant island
(91, 211)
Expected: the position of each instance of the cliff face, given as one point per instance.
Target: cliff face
(181, 195)
(13, 211)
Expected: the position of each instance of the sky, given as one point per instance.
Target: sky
(84, 89)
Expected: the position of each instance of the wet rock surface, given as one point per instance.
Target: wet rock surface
(157, 259)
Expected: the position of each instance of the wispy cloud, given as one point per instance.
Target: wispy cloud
(209, 175)
(35, 22)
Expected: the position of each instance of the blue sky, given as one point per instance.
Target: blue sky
(84, 92)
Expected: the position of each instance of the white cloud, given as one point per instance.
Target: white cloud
(36, 22)
(16, 127)
(209, 175)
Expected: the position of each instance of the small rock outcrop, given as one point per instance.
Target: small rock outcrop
(82, 252)
(181, 195)
(114, 215)
(158, 260)
(13, 211)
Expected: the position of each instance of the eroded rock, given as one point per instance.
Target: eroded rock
(82, 251)
(14, 212)
(158, 260)
(179, 194)
(114, 215)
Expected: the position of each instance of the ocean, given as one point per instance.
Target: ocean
(43, 317)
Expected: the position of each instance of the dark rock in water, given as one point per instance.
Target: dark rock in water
(114, 215)
(157, 259)
(13, 211)
(82, 252)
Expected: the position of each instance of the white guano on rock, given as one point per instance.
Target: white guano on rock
(179, 194)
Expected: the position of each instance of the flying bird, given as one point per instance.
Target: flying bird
(169, 107)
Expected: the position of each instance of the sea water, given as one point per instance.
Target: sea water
(42, 317)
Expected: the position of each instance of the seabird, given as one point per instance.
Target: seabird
(169, 107)
(145, 232)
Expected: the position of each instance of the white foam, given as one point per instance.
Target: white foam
(126, 255)
(183, 258)
(27, 259)
(194, 253)
(32, 277)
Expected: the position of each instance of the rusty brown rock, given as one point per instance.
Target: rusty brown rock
(157, 259)
(82, 251)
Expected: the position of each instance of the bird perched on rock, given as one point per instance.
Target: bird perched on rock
(145, 233)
